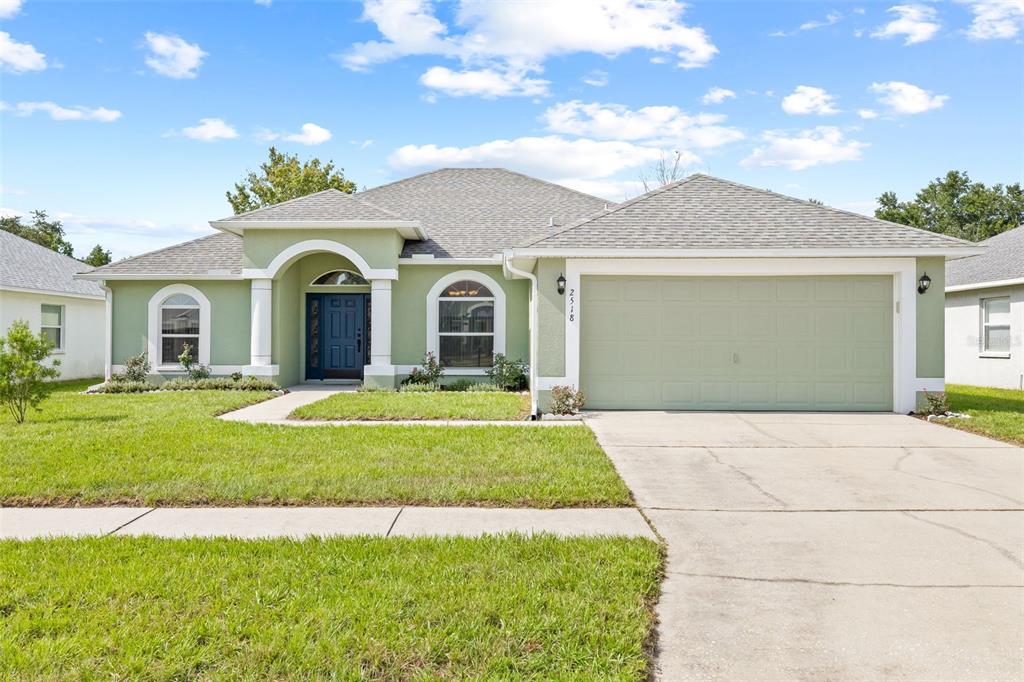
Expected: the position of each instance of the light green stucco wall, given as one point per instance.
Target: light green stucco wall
(550, 318)
(289, 326)
(409, 311)
(931, 325)
(229, 304)
(380, 248)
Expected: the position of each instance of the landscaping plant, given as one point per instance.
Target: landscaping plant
(136, 369)
(22, 372)
(509, 375)
(195, 370)
(459, 385)
(566, 400)
(430, 373)
(938, 404)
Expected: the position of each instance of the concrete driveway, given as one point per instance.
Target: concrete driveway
(829, 546)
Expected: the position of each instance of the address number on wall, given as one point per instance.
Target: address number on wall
(572, 305)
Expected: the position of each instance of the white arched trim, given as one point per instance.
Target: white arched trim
(433, 344)
(297, 250)
(313, 283)
(153, 340)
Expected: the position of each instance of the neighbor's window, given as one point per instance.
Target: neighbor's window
(465, 325)
(52, 324)
(339, 278)
(995, 325)
(179, 324)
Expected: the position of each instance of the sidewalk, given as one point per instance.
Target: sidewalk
(266, 522)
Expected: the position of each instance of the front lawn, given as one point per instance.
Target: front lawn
(995, 412)
(391, 405)
(498, 607)
(168, 449)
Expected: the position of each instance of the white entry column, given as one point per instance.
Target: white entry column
(380, 322)
(259, 346)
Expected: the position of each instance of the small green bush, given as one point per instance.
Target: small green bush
(485, 388)
(136, 369)
(459, 385)
(567, 400)
(23, 369)
(220, 384)
(430, 373)
(418, 388)
(123, 386)
(195, 370)
(509, 375)
(938, 404)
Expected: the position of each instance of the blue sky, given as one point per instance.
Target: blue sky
(129, 120)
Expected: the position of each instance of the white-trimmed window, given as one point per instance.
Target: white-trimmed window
(336, 278)
(995, 325)
(52, 324)
(466, 321)
(179, 325)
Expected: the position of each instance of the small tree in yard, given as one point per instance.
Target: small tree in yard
(22, 372)
(195, 370)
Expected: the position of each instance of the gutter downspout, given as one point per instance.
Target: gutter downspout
(509, 269)
(108, 344)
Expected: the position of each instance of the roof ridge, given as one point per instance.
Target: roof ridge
(834, 209)
(396, 182)
(236, 216)
(618, 207)
(374, 206)
(161, 250)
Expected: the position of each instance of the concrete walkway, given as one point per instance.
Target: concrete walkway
(828, 546)
(266, 522)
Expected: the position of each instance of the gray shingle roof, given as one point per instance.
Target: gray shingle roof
(219, 253)
(27, 265)
(478, 212)
(703, 212)
(330, 204)
(1004, 259)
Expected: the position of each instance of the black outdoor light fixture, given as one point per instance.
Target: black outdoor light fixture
(561, 284)
(924, 283)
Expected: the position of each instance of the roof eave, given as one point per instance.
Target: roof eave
(409, 229)
(992, 284)
(838, 252)
(173, 276)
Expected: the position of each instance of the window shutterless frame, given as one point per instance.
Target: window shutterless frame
(994, 340)
(52, 325)
(483, 303)
(179, 303)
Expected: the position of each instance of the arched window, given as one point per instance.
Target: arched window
(465, 325)
(339, 278)
(179, 325)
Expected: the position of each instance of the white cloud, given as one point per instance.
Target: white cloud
(806, 99)
(171, 56)
(9, 8)
(19, 57)
(918, 23)
(264, 3)
(487, 83)
(596, 78)
(516, 38)
(211, 129)
(362, 144)
(804, 149)
(59, 113)
(549, 157)
(830, 19)
(996, 19)
(12, 191)
(867, 114)
(665, 125)
(311, 134)
(717, 95)
(904, 98)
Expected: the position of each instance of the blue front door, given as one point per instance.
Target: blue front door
(336, 336)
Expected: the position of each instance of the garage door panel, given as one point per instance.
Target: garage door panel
(788, 343)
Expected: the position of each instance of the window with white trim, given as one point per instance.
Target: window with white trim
(179, 324)
(52, 324)
(465, 325)
(336, 278)
(995, 325)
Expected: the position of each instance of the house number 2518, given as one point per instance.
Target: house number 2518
(572, 305)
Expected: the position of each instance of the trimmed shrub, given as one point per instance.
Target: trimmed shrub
(374, 389)
(123, 386)
(220, 384)
(459, 385)
(136, 368)
(418, 388)
(509, 375)
(485, 388)
(938, 404)
(567, 400)
(430, 373)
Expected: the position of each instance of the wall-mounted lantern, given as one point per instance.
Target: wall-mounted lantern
(924, 283)
(561, 284)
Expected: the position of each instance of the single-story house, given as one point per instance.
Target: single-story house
(703, 294)
(985, 314)
(38, 285)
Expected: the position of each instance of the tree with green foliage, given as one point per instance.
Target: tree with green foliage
(22, 372)
(48, 233)
(956, 206)
(283, 177)
(97, 257)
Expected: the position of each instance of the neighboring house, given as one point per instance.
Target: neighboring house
(37, 285)
(985, 315)
(703, 294)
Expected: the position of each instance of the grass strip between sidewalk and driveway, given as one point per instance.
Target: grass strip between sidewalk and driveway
(393, 405)
(995, 412)
(167, 449)
(497, 607)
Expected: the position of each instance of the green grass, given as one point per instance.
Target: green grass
(503, 607)
(167, 449)
(995, 412)
(384, 406)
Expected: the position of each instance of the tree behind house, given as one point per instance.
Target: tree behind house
(97, 257)
(48, 233)
(955, 206)
(283, 177)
